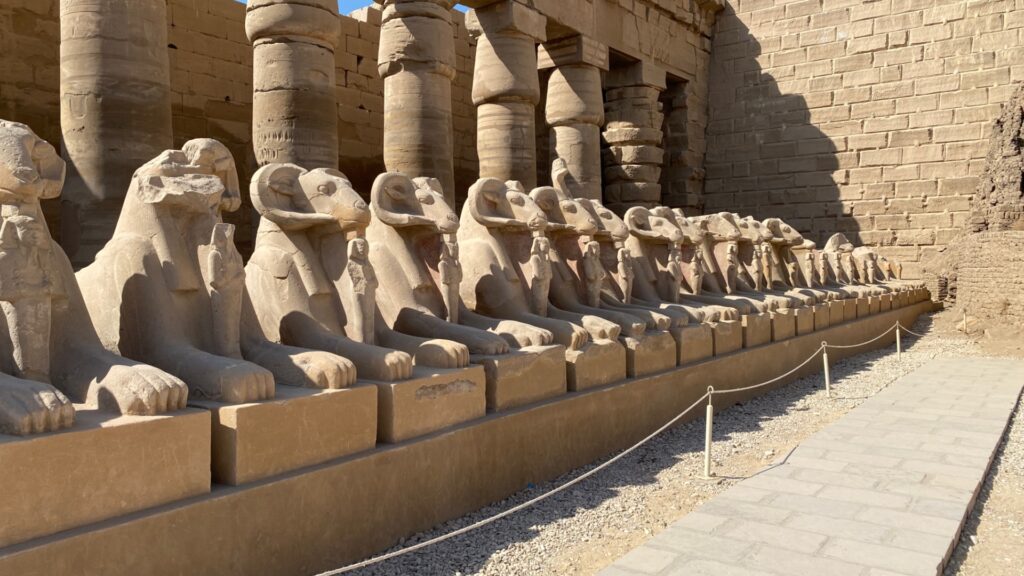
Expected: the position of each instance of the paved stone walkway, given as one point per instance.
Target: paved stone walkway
(883, 491)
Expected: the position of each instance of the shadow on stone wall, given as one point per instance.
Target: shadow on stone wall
(766, 156)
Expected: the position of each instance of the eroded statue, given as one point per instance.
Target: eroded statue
(169, 288)
(51, 353)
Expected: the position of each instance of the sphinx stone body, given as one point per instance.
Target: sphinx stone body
(154, 288)
(51, 351)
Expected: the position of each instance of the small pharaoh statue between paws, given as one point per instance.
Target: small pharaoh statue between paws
(697, 278)
(594, 273)
(362, 282)
(624, 267)
(224, 274)
(25, 293)
(768, 267)
(450, 271)
(757, 270)
(674, 269)
(731, 267)
(809, 268)
(541, 264)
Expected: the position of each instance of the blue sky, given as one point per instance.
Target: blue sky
(347, 6)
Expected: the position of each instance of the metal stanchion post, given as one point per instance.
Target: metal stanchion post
(707, 434)
(899, 341)
(828, 377)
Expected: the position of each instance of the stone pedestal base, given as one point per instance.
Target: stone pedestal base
(836, 312)
(820, 316)
(757, 329)
(885, 302)
(804, 320)
(598, 363)
(103, 467)
(523, 376)
(696, 343)
(433, 399)
(783, 324)
(850, 309)
(654, 352)
(300, 427)
(863, 307)
(874, 304)
(728, 336)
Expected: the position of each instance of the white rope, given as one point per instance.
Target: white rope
(773, 380)
(585, 475)
(838, 346)
(909, 331)
(517, 508)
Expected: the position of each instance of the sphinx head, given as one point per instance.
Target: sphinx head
(648, 227)
(30, 168)
(214, 158)
(783, 234)
(295, 199)
(504, 205)
(399, 202)
(609, 224)
(563, 212)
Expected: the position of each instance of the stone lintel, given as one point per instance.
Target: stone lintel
(507, 16)
(572, 50)
(642, 73)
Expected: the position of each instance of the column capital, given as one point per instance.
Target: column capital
(572, 50)
(507, 16)
(640, 73)
(310, 20)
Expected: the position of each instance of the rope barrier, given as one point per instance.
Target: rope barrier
(517, 508)
(909, 331)
(709, 395)
(839, 346)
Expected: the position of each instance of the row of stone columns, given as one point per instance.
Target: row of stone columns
(116, 115)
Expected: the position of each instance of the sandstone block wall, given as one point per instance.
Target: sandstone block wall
(869, 117)
(990, 276)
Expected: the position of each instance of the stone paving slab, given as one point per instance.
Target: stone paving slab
(884, 490)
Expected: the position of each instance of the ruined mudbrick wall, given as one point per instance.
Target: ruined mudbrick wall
(990, 276)
(866, 117)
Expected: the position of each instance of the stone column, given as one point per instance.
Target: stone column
(633, 131)
(506, 89)
(575, 108)
(294, 107)
(416, 59)
(115, 110)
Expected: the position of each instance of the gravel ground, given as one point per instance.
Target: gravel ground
(587, 527)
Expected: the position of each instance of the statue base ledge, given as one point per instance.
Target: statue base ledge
(728, 336)
(433, 399)
(850, 309)
(864, 306)
(783, 324)
(524, 376)
(300, 427)
(696, 342)
(836, 312)
(821, 316)
(653, 352)
(599, 362)
(104, 466)
(804, 320)
(757, 329)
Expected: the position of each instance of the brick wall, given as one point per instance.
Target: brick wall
(867, 117)
(990, 276)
